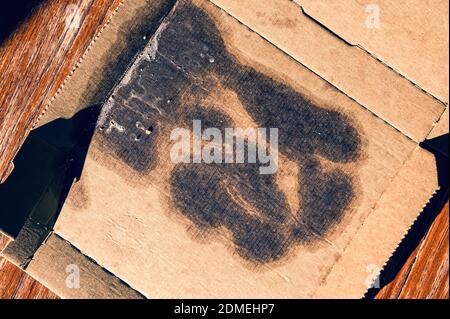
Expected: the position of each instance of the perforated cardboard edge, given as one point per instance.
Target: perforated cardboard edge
(76, 66)
(371, 261)
(71, 274)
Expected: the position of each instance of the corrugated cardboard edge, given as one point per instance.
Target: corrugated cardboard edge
(440, 128)
(376, 275)
(368, 236)
(71, 274)
(60, 89)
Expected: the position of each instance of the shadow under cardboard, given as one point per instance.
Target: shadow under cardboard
(50, 160)
(439, 146)
(12, 15)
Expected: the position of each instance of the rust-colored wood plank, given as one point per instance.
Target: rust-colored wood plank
(393, 289)
(431, 278)
(35, 60)
(16, 284)
(425, 273)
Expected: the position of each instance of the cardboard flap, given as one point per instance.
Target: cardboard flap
(410, 38)
(71, 274)
(353, 71)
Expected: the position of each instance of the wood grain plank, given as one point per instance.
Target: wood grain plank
(16, 284)
(425, 273)
(393, 289)
(429, 274)
(35, 61)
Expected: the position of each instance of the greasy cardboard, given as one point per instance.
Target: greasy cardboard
(123, 214)
(412, 38)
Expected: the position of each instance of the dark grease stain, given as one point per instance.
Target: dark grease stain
(126, 47)
(235, 196)
(208, 116)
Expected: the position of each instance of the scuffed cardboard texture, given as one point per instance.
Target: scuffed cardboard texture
(412, 37)
(21, 250)
(126, 221)
(352, 70)
(69, 273)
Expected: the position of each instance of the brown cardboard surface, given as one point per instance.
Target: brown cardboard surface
(122, 216)
(350, 69)
(125, 219)
(72, 275)
(442, 127)
(411, 37)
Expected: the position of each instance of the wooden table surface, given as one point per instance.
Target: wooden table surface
(39, 50)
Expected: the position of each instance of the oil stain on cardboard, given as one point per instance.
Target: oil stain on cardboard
(185, 62)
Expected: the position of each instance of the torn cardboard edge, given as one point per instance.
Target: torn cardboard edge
(411, 223)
